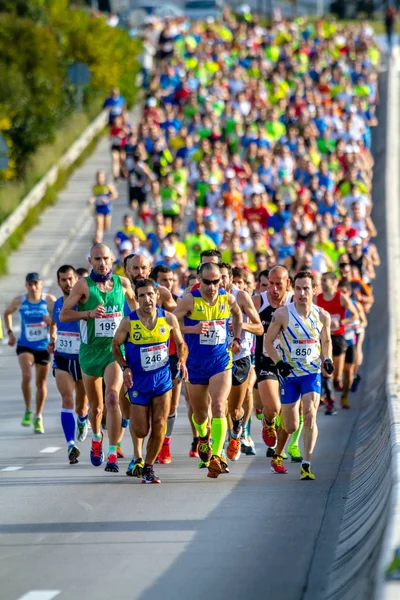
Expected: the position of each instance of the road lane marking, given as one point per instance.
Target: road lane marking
(11, 469)
(50, 450)
(40, 595)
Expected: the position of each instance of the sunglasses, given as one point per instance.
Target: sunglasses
(210, 281)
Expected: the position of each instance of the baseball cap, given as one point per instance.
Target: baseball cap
(169, 251)
(125, 245)
(229, 173)
(32, 277)
(213, 181)
(355, 241)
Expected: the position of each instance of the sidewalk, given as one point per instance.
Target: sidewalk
(66, 229)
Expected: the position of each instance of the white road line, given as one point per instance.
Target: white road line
(40, 595)
(50, 449)
(11, 469)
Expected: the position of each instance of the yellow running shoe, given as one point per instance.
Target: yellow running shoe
(305, 472)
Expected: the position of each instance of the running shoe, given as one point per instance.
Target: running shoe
(355, 383)
(284, 456)
(259, 414)
(215, 467)
(120, 454)
(27, 418)
(295, 454)
(224, 465)
(193, 453)
(277, 465)
(344, 402)
(112, 464)
(135, 468)
(38, 425)
(165, 454)
(233, 450)
(73, 453)
(204, 448)
(269, 434)
(330, 409)
(96, 452)
(305, 472)
(251, 448)
(203, 465)
(82, 430)
(148, 476)
(270, 452)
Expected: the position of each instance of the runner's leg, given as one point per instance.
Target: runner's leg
(26, 362)
(41, 387)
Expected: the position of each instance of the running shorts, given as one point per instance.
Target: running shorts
(173, 365)
(103, 210)
(339, 345)
(68, 365)
(94, 360)
(150, 386)
(201, 370)
(350, 355)
(293, 388)
(137, 193)
(42, 357)
(266, 370)
(240, 370)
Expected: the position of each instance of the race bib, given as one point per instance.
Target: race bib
(335, 323)
(102, 199)
(215, 335)
(68, 342)
(36, 332)
(154, 357)
(107, 325)
(304, 350)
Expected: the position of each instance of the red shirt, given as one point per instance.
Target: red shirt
(260, 215)
(335, 309)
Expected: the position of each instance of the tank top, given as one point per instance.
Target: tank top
(172, 343)
(68, 336)
(34, 331)
(335, 309)
(147, 350)
(214, 343)
(246, 338)
(100, 332)
(300, 343)
(266, 311)
(350, 330)
(102, 195)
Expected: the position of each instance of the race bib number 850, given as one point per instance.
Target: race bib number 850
(304, 350)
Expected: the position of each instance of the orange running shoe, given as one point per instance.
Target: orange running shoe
(215, 467)
(120, 454)
(193, 453)
(269, 434)
(233, 450)
(165, 453)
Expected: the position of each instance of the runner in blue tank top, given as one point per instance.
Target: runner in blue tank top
(304, 331)
(147, 375)
(66, 368)
(204, 315)
(34, 308)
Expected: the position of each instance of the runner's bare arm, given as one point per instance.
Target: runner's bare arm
(166, 300)
(11, 308)
(181, 348)
(325, 335)
(50, 299)
(129, 293)
(348, 305)
(79, 294)
(119, 339)
(246, 305)
(184, 308)
(279, 319)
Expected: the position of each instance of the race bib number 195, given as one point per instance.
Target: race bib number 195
(107, 326)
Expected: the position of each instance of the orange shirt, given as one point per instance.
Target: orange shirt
(235, 201)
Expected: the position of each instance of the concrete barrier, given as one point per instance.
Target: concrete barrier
(37, 193)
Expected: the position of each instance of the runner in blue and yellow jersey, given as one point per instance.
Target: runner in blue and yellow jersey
(102, 197)
(304, 344)
(204, 315)
(146, 370)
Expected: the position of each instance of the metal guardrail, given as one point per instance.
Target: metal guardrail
(38, 191)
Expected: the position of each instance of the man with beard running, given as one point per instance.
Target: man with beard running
(276, 296)
(100, 298)
(241, 362)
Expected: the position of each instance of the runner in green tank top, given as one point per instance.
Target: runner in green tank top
(100, 298)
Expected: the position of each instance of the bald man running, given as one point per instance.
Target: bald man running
(100, 299)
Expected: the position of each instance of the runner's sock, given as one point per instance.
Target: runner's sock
(278, 421)
(97, 437)
(82, 420)
(294, 438)
(124, 423)
(200, 428)
(170, 424)
(218, 432)
(68, 425)
(112, 450)
(167, 440)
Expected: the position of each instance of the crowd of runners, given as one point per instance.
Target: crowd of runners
(242, 274)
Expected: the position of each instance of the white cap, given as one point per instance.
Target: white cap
(258, 188)
(125, 245)
(169, 251)
(355, 241)
(152, 102)
(213, 181)
(230, 174)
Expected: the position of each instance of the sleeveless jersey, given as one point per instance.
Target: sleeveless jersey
(34, 331)
(335, 309)
(299, 342)
(214, 343)
(68, 337)
(246, 338)
(266, 311)
(147, 350)
(102, 195)
(100, 332)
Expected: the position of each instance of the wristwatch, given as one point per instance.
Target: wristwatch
(124, 367)
(9, 332)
